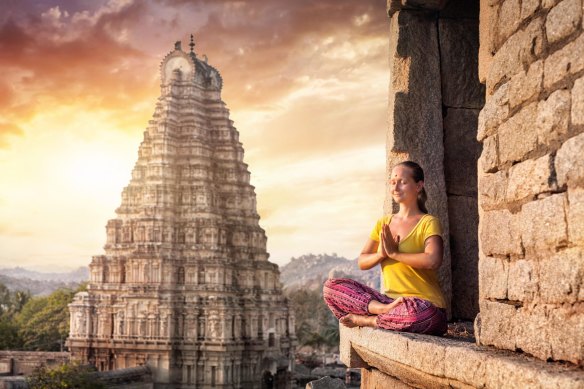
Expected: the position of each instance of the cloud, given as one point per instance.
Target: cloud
(6, 130)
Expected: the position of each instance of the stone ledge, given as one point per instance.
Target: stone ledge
(435, 362)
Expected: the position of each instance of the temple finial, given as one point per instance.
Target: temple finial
(192, 44)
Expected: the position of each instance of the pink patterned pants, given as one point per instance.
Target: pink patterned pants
(344, 296)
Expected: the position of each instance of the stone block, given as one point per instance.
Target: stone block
(461, 151)
(520, 50)
(563, 63)
(543, 225)
(522, 281)
(578, 102)
(463, 220)
(495, 111)
(373, 378)
(575, 212)
(495, 326)
(524, 86)
(493, 276)
(553, 116)
(530, 178)
(489, 159)
(492, 190)
(561, 276)
(508, 20)
(566, 336)
(466, 366)
(499, 233)
(459, 45)
(563, 20)
(569, 162)
(517, 136)
(528, 8)
(487, 25)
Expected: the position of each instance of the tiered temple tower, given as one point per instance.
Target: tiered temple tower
(185, 285)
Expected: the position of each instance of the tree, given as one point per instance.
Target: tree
(70, 376)
(44, 321)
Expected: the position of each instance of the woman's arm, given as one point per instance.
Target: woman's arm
(431, 258)
(369, 256)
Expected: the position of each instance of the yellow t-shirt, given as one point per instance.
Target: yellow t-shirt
(403, 280)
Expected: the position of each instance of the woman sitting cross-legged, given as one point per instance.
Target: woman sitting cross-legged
(408, 246)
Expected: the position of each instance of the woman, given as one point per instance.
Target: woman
(409, 248)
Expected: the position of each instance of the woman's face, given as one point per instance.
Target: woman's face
(402, 186)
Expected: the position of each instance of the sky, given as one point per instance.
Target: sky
(305, 82)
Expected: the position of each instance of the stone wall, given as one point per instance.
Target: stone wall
(13, 363)
(531, 178)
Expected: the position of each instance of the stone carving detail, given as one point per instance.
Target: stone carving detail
(185, 258)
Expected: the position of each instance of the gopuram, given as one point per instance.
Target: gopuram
(185, 286)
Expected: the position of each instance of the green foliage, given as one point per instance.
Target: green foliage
(44, 321)
(67, 376)
(316, 326)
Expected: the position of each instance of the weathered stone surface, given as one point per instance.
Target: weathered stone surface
(495, 327)
(553, 116)
(373, 378)
(564, 62)
(461, 151)
(530, 327)
(464, 223)
(530, 178)
(326, 383)
(522, 281)
(578, 102)
(489, 159)
(569, 162)
(517, 136)
(528, 8)
(566, 336)
(492, 190)
(547, 4)
(459, 46)
(494, 112)
(561, 276)
(543, 225)
(493, 276)
(575, 212)
(487, 25)
(499, 233)
(524, 86)
(563, 20)
(521, 49)
(508, 21)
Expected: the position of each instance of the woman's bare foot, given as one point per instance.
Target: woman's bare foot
(351, 320)
(377, 308)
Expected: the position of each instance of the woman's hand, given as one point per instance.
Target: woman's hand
(389, 246)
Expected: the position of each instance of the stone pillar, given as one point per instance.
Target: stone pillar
(415, 112)
(531, 179)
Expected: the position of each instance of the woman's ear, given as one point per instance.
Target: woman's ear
(420, 186)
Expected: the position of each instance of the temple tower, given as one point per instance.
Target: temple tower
(185, 285)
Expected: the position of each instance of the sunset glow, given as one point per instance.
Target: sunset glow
(305, 82)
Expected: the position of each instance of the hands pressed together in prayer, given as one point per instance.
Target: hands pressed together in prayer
(389, 245)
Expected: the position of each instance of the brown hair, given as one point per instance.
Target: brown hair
(417, 175)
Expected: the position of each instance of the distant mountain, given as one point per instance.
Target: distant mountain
(42, 283)
(310, 271)
(79, 275)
